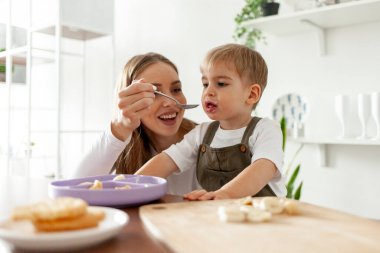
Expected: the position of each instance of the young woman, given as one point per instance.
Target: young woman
(145, 124)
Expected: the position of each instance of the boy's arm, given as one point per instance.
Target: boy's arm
(249, 182)
(160, 165)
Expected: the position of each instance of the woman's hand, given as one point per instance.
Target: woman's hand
(205, 195)
(134, 103)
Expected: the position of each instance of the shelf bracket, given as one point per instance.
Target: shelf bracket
(321, 33)
(322, 154)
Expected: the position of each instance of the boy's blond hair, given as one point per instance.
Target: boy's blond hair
(248, 63)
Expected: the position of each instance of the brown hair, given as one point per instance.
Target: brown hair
(138, 150)
(248, 63)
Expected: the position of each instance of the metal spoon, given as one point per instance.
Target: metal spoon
(183, 106)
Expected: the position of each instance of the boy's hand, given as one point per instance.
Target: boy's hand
(205, 195)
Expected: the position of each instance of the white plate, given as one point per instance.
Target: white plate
(22, 235)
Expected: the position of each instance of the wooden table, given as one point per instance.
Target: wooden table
(133, 238)
(186, 227)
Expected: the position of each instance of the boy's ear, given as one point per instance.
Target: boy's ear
(254, 95)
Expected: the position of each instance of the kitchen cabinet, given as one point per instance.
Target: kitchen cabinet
(319, 19)
(50, 56)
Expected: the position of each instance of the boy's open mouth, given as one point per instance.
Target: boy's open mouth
(210, 106)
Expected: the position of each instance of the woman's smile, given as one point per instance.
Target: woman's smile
(168, 118)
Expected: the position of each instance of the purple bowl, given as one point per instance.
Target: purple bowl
(143, 189)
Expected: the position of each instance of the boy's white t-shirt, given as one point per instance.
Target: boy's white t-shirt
(105, 151)
(265, 142)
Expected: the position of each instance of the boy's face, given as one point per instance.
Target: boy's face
(226, 97)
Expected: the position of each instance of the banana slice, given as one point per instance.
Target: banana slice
(97, 185)
(271, 204)
(257, 215)
(246, 201)
(123, 187)
(291, 207)
(119, 177)
(231, 214)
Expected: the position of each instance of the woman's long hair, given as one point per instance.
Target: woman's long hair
(138, 151)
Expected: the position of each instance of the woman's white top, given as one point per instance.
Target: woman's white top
(105, 151)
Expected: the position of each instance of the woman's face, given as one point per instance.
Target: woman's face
(165, 117)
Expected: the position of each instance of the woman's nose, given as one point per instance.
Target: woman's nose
(168, 102)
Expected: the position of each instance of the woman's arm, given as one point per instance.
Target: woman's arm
(133, 103)
(101, 157)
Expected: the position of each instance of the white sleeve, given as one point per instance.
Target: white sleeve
(185, 153)
(266, 142)
(102, 155)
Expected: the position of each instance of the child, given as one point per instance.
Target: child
(237, 155)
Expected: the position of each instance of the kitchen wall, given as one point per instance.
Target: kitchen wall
(184, 30)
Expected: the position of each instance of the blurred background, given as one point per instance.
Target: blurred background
(59, 61)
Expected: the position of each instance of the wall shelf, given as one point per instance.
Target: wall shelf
(323, 142)
(319, 19)
(72, 32)
(332, 141)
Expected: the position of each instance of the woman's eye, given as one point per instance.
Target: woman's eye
(177, 90)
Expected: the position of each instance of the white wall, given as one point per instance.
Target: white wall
(184, 30)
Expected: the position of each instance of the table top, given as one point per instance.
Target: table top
(133, 237)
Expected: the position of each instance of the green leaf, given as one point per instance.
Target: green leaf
(251, 10)
(297, 194)
(294, 175)
(283, 130)
(289, 193)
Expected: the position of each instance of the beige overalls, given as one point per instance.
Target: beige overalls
(218, 166)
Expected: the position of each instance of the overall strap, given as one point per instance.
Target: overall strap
(211, 130)
(249, 130)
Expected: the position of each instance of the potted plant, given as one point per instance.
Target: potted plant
(2, 73)
(270, 8)
(2, 69)
(251, 10)
(292, 191)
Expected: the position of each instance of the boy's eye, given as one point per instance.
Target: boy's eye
(205, 85)
(221, 84)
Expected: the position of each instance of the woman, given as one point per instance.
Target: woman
(145, 124)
